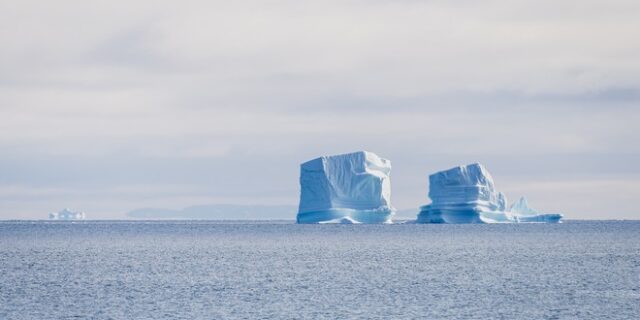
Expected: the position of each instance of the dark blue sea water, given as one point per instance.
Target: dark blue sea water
(215, 270)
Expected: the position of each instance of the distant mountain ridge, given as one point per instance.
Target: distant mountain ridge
(234, 212)
(219, 212)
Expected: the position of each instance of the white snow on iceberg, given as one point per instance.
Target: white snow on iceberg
(347, 188)
(467, 194)
(66, 214)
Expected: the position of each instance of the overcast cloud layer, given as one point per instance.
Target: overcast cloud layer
(108, 106)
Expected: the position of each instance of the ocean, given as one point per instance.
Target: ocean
(280, 270)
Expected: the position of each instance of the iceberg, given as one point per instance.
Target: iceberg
(66, 214)
(467, 194)
(347, 189)
(521, 211)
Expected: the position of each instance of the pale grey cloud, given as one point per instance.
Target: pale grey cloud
(218, 101)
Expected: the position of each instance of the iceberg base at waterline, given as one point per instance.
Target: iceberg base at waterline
(476, 215)
(346, 216)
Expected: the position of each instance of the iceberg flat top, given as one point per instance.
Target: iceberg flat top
(470, 185)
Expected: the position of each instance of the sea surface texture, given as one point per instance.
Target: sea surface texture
(257, 270)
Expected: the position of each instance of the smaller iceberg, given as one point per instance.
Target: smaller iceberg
(521, 212)
(66, 214)
(467, 194)
(346, 189)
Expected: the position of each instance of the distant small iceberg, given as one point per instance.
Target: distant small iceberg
(66, 214)
(466, 194)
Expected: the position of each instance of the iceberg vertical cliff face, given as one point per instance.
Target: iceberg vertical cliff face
(467, 194)
(352, 187)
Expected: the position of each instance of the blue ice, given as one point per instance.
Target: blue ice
(346, 188)
(467, 194)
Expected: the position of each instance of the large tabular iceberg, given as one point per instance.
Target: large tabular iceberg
(347, 188)
(467, 194)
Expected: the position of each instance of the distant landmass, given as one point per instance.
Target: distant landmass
(219, 212)
(233, 212)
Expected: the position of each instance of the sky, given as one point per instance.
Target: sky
(111, 106)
